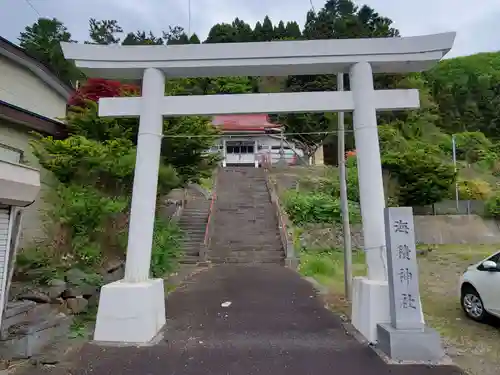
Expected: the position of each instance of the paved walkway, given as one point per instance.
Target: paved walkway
(275, 325)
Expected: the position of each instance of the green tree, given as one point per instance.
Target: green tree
(423, 177)
(257, 32)
(141, 38)
(193, 39)
(267, 32)
(42, 40)
(338, 19)
(280, 31)
(221, 33)
(175, 35)
(292, 30)
(104, 31)
(467, 90)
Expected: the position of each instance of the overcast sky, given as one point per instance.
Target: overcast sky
(477, 22)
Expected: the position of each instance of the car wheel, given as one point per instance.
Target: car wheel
(472, 304)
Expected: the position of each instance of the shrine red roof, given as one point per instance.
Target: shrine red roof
(254, 122)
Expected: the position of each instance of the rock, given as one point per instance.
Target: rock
(79, 291)
(4, 364)
(94, 300)
(75, 276)
(56, 288)
(77, 305)
(116, 275)
(35, 296)
(113, 265)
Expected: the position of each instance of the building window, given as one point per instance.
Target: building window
(10, 154)
(240, 149)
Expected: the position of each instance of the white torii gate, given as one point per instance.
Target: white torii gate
(132, 310)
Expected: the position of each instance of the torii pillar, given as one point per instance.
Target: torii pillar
(132, 310)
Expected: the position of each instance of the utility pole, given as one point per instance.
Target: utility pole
(343, 197)
(189, 18)
(282, 144)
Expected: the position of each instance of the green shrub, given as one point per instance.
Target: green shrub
(423, 178)
(475, 189)
(492, 206)
(314, 265)
(316, 207)
(166, 249)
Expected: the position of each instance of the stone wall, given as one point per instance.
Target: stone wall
(430, 230)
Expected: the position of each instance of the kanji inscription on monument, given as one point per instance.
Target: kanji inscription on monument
(402, 265)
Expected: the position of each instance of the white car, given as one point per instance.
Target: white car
(480, 289)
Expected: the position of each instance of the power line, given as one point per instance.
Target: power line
(33, 7)
(312, 6)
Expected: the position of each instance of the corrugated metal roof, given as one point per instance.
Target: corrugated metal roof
(253, 122)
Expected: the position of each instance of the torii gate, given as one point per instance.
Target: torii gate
(132, 310)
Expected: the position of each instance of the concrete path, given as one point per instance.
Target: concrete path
(275, 325)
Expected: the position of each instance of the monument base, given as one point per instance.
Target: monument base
(410, 345)
(370, 306)
(132, 313)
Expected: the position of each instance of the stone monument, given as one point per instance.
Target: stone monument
(405, 338)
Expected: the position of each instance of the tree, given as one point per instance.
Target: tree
(175, 35)
(336, 20)
(42, 41)
(193, 39)
(267, 32)
(141, 38)
(423, 178)
(292, 30)
(280, 31)
(467, 90)
(257, 32)
(95, 88)
(104, 31)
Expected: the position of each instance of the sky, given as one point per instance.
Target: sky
(476, 22)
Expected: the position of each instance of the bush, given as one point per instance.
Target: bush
(423, 178)
(492, 206)
(318, 264)
(166, 249)
(475, 189)
(317, 207)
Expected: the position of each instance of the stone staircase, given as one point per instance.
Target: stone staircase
(28, 328)
(245, 229)
(193, 223)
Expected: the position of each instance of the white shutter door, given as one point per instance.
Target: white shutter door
(4, 234)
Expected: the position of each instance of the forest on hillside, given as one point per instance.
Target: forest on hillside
(459, 96)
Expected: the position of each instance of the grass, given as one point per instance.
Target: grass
(473, 346)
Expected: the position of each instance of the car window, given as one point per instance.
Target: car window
(495, 258)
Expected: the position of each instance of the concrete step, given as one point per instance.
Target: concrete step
(189, 259)
(232, 260)
(192, 244)
(194, 237)
(194, 213)
(193, 221)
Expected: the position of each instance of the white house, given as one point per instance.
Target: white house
(32, 98)
(248, 139)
